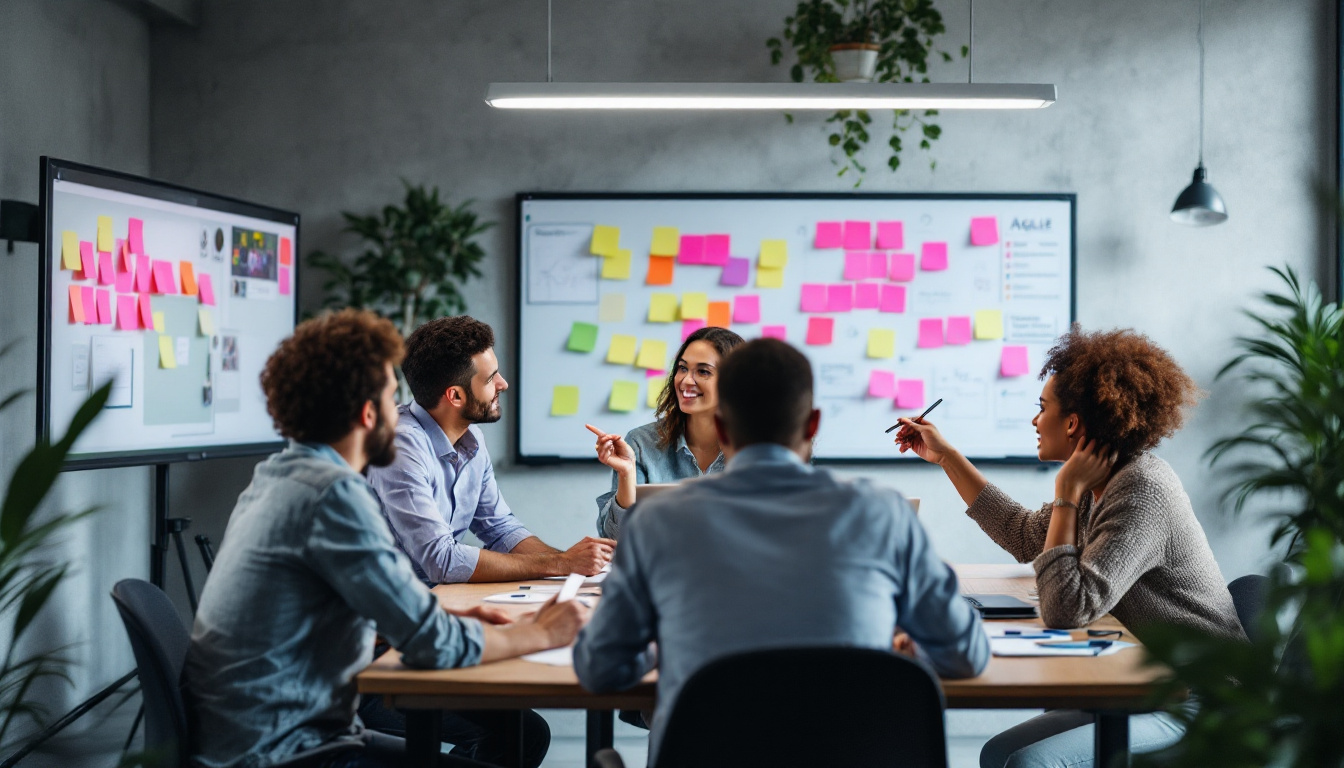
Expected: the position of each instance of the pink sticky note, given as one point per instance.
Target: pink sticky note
(882, 384)
(856, 265)
(127, 319)
(76, 305)
(136, 237)
(105, 274)
(207, 290)
(125, 281)
(773, 332)
(867, 295)
(829, 235)
(958, 330)
(814, 297)
(89, 268)
(144, 275)
(146, 312)
(858, 235)
(984, 230)
(747, 309)
(839, 298)
(820, 330)
(933, 257)
(284, 281)
(716, 249)
(736, 272)
(692, 249)
(652, 374)
(910, 393)
(163, 277)
(690, 326)
(930, 333)
(902, 267)
(1014, 361)
(104, 301)
(890, 235)
(877, 265)
(286, 251)
(90, 302)
(121, 254)
(893, 299)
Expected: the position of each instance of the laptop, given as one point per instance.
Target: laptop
(1001, 606)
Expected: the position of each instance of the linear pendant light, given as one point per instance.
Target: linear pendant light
(790, 96)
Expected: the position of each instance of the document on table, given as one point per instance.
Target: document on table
(523, 597)
(556, 657)
(591, 580)
(1014, 646)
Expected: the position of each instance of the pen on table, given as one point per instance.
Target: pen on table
(920, 416)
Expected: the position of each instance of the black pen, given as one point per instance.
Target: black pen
(920, 416)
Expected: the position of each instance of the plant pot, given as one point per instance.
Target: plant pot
(855, 62)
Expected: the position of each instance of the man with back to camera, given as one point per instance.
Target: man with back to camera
(307, 570)
(442, 483)
(700, 566)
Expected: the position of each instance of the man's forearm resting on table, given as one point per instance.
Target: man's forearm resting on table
(497, 566)
(533, 546)
(506, 642)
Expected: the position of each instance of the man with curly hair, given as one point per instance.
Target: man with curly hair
(308, 569)
(442, 483)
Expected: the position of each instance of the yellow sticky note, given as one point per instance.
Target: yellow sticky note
(881, 342)
(769, 278)
(564, 400)
(652, 355)
(158, 322)
(70, 251)
(624, 396)
(694, 306)
(606, 240)
(207, 321)
(666, 242)
(105, 243)
(774, 254)
(656, 387)
(662, 308)
(616, 267)
(166, 357)
(988, 324)
(612, 308)
(622, 349)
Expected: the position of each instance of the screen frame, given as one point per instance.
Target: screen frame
(52, 169)
(523, 197)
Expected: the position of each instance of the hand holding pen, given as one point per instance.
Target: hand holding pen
(921, 437)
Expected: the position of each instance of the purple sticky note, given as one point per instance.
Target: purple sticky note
(984, 230)
(858, 235)
(958, 330)
(146, 312)
(284, 281)
(104, 301)
(893, 299)
(773, 332)
(882, 384)
(839, 298)
(649, 373)
(1014, 361)
(877, 265)
(136, 235)
(867, 295)
(930, 333)
(125, 281)
(690, 326)
(89, 262)
(856, 265)
(105, 274)
(933, 257)
(820, 330)
(829, 235)
(716, 250)
(736, 272)
(89, 299)
(910, 393)
(902, 267)
(127, 319)
(144, 275)
(207, 290)
(692, 249)
(890, 235)
(814, 298)
(747, 309)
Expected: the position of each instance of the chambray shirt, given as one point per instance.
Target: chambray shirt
(652, 465)
(306, 572)
(771, 553)
(434, 492)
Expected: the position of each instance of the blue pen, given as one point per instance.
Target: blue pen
(1098, 645)
(1040, 634)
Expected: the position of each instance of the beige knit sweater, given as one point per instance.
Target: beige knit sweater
(1141, 555)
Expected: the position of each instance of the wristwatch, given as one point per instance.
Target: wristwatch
(1063, 502)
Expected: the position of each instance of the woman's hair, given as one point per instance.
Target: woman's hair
(1128, 392)
(671, 421)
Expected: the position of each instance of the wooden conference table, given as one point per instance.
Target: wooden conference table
(1110, 686)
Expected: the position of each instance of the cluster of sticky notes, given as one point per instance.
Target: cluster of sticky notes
(858, 235)
(774, 257)
(844, 297)
(861, 265)
(606, 242)
(904, 393)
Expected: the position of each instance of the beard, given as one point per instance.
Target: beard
(380, 444)
(479, 411)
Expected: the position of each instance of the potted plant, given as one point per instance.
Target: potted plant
(885, 41)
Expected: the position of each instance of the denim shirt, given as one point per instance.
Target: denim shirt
(771, 553)
(652, 465)
(436, 491)
(306, 572)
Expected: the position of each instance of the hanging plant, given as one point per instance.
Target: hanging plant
(883, 41)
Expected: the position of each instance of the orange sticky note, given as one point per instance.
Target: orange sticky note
(286, 251)
(188, 278)
(76, 305)
(660, 270)
(720, 314)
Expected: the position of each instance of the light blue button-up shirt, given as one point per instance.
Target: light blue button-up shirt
(305, 573)
(436, 491)
(771, 553)
(653, 464)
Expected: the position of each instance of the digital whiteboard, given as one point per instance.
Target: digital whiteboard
(176, 296)
(896, 299)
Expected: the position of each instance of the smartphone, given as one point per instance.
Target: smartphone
(571, 587)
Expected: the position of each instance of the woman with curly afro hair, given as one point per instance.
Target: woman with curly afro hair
(1120, 537)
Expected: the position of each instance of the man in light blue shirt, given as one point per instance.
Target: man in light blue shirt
(442, 483)
(771, 553)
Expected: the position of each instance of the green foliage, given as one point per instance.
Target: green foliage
(905, 30)
(415, 260)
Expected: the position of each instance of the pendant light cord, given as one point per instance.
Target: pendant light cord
(1201, 83)
(970, 46)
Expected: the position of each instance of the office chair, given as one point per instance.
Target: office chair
(854, 707)
(1248, 597)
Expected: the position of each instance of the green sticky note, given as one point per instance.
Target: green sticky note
(624, 396)
(656, 387)
(166, 357)
(622, 349)
(774, 254)
(653, 355)
(612, 308)
(881, 342)
(663, 308)
(582, 337)
(606, 240)
(666, 242)
(694, 306)
(988, 324)
(616, 267)
(564, 400)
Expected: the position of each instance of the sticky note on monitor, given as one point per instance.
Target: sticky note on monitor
(839, 297)
(958, 330)
(692, 250)
(666, 241)
(933, 257)
(660, 270)
(622, 349)
(582, 337)
(70, 251)
(716, 249)
(606, 240)
(774, 254)
(736, 272)
(902, 267)
(820, 330)
(286, 251)
(624, 396)
(856, 265)
(984, 230)
(167, 359)
(988, 324)
(882, 384)
(858, 235)
(867, 295)
(616, 267)
(694, 306)
(830, 234)
(881, 342)
(662, 308)
(611, 309)
(747, 309)
(890, 235)
(283, 280)
(930, 333)
(877, 265)
(813, 298)
(652, 355)
(720, 314)
(105, 240)
(564, 400)
(769, 278)
(892, 299)
(1014, 361)
(910, 393)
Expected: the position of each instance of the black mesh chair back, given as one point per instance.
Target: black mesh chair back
(847, 707)
(159, 642)
(1248, 596)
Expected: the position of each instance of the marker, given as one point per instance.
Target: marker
(920, 416)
